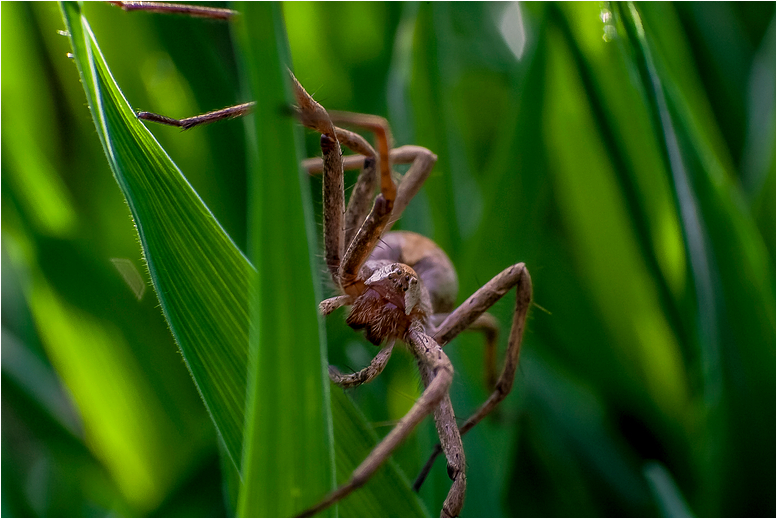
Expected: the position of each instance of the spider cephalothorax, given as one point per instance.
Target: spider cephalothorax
(393, 297)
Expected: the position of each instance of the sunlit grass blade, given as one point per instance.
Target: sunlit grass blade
(200, 277)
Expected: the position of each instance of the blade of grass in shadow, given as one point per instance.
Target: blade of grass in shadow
(298, 470)
(731, 269)
(288, 456)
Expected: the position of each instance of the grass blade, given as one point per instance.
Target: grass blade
(735, 319)
(288, 393)
(199, 275)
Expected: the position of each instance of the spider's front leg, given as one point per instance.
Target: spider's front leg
(421, 162)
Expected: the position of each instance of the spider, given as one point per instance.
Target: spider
(400, 286)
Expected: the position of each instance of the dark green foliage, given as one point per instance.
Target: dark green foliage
(635, 177)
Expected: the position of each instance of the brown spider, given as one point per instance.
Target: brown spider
(400, 285)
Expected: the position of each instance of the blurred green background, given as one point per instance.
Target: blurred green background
(633, 172)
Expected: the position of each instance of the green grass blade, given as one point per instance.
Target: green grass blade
(298, 470)
(288, 392)
(199, 275)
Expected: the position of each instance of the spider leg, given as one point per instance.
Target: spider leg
(361, 195)
(315, 165)
(199, 120)
(214, 13)
(450, 444)
(364, 241)
(313, 115)
(380, 127)
(359, 202)
(368, 234)
(421, 162)
(364, 375)
(489, 327)
(466, 315)
(327, 306)
(440, 372)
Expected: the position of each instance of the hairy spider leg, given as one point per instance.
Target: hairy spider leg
(334, 205)
(363, 191)
(313, 116)
(489, 327)
(451, 445)
(361, 195)
(365, 375)
(199, 120)
(214, 13)
(380, 127)
(439, 374)
(421, 162)
(465, 316)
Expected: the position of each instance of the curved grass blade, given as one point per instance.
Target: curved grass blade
(200, 276)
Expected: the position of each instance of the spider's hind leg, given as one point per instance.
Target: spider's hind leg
(466, 315)
(472, 308)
